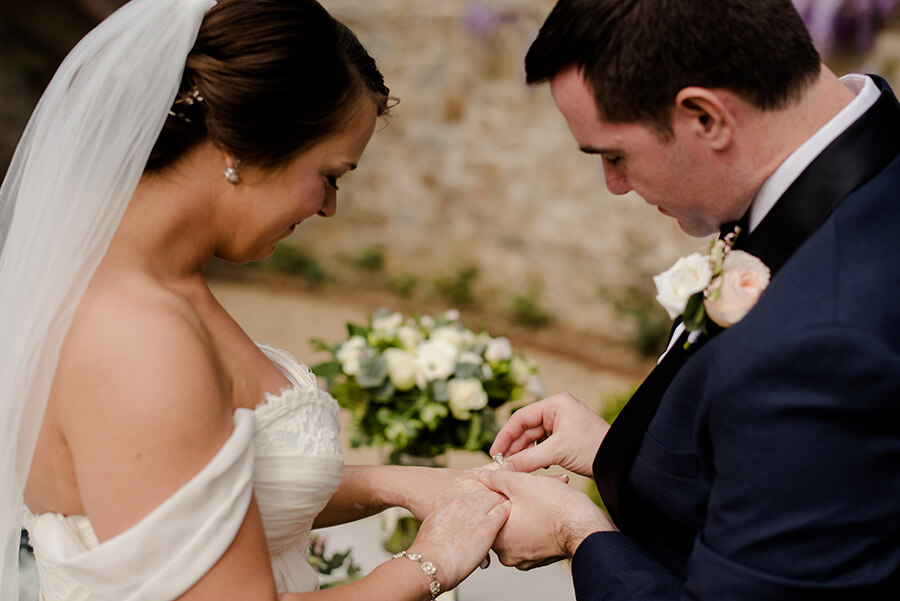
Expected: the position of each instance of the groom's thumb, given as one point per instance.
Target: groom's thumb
(529, 460)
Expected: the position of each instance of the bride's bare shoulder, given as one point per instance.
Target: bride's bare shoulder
(140, 398)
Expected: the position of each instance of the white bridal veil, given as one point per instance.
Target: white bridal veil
(71, 178)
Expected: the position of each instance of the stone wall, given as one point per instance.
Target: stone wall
(474, 168)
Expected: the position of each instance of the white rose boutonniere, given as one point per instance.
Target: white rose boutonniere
(722, 286)
(688, 276)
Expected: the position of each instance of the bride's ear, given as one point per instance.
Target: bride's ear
(701, 114)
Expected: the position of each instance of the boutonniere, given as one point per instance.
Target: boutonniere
(721, 286)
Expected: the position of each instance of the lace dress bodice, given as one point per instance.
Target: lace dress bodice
(291, 447)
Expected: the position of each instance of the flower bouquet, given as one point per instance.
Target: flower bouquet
(423, 385)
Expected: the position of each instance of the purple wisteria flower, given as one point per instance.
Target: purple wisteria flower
(483, 22)
(837, 22)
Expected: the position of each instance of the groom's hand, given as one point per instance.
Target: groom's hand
(547, 521)
(558, 430)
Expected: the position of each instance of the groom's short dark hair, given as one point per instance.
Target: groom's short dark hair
(637, 54)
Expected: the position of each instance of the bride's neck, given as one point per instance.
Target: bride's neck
(169, 228)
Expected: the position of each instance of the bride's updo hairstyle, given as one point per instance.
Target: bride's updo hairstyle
(266, 80)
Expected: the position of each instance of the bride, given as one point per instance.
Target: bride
(160, 452)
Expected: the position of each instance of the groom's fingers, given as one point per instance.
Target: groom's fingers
(532, 458)
(524, 427)
(527, 439)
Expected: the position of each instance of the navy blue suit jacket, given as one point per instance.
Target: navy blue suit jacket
(771, 468)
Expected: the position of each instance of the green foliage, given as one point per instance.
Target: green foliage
(695, 313)
(370, 258)
(403, 534)
(638, 305)
(423, 385)
(527, 311)
(457, 287)
(404, 284)
(292, 260)
(329, 565)
(613, 405)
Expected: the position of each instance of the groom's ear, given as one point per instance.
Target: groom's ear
(704, 116)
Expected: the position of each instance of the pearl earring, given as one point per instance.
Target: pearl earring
(231, 173)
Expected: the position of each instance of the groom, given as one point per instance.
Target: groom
(763, 460)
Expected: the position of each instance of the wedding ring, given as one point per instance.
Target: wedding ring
(498, 458)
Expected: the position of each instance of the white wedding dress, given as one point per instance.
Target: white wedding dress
(287, 451)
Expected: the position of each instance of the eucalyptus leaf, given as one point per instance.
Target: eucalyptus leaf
(384, 392)
(372, 371)
(468, 370)
(439, 391)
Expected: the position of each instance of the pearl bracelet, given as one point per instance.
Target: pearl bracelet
(434, 587)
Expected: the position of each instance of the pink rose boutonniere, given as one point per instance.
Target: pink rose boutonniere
(721, 286)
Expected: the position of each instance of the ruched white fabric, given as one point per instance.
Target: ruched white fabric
(287, 451)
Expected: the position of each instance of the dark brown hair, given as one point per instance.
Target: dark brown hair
(275, 77)
(636, 55)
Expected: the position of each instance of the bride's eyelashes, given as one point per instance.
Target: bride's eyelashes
(332, 181)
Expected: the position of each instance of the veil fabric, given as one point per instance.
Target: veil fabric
(69, 183)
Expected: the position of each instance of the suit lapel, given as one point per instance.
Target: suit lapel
(855, 157)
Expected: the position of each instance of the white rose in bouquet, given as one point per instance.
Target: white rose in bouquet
(498, 349)
(349, 353)
(450, 334)
(470, 357)
(688, 276)
(409, 337)
(466, 395)
(436, 361)
(402, 367)
(428, 385)
(520, 370)
(384, 327)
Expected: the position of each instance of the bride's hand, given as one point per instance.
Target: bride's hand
(459, 532)
(426, 488)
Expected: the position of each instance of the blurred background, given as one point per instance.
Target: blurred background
(472, 195)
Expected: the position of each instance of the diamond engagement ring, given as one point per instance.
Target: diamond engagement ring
(498, 458)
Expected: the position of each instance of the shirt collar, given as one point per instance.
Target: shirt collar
(867, 93)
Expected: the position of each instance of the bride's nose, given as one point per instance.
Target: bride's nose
(329, 206)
